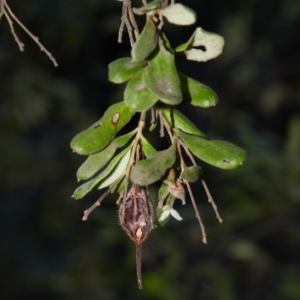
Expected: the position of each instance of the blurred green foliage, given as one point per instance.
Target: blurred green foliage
(46, 250)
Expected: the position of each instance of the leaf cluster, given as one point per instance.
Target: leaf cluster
(153, 84)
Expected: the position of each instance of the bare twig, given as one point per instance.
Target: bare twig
(11, 25)
(7, 12)
(211, 201)
(187, 151)
(96, 204)
(210, 198)
(197, 214)
(153, 115)
(120, 198)
(129, 22)
(161, 121)
(182, 163)
(161, 22)
(1, 8)
(121, 30)
(125, 191)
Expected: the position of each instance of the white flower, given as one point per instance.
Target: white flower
(168, 210)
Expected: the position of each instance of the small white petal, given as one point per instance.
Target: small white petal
(166, 208)
(176, 215)
(164, 215)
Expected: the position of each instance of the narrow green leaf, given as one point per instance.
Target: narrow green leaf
(165, 41)
(202, 46)
(179, 14)
(148, 149)
(162, 79)
(152, 126)
(162, 193)
(151, 6)
(197, 93)
(85, 188)
(137, 96)
(191, 174)
(220, 154)
(103, 131)
(98, 160)
(177, 120)
(117, 171)
(119, 187)
(148, 171)
(123, 69)
(146, 42)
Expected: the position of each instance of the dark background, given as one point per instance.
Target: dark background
(47, 252)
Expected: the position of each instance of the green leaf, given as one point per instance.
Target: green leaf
(119, 160)
(211, 45)
(103, 131)
(123, 69)
(179, 14)
(117, 171)
(119, 187)
(151, 6)
(162, 79)
(152, 126)
(98, 160)
(165, 41)
(191, 174)
(146, 42)
(137, 96)
(197, 93)
(148, 149)
(148, 171)
(177, 120)
(220, 154)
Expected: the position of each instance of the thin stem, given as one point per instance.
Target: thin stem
(197, 214)
(133, 22)
(5, 7)
(1, 8)
(143, 118)
(120, 197)
(187, 151)
(161, 122)
(96, 204)
(124, 198)
(167, 126)
(211, 200)
(11, 25)
(133, 156)
(127, 11)
(182, 163)
(138, 252)
(153, 115)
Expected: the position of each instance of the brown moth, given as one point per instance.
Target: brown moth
(136, 216)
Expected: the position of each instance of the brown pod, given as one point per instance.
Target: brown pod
(136, 218)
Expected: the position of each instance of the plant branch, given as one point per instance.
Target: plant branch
(7, 12)
(187, 151)
(182, 163)
(96, 204)
(197, 214)
(161, 122)
(211, 201)
(129, 22)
